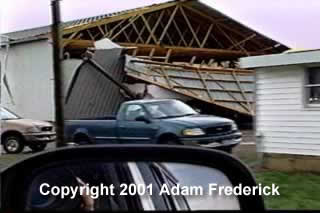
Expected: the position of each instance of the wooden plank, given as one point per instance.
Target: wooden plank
(142, 30)
(243, 41)
(168, 55)
(168, 35)
(153, 57)
(180, 33)
(207, 36)
(193, 68)
(177, 84)
(217, 41)
(127, 36)
(156, 26)
(194, 78)
(229, 91)
(192, 60)
(138, 33)
(226, 70)
(115, 27)
(125, 27)
(211, 61)
(149, 28)
(242, 91)
(77, 44)
(116, 18)
(189, 25)
(73, 35)
(101, 30)
(189, 51)
(151, 53)
(183, 34)
(192, 40)
(165, 74)
(204, 83)
(231, 40)
(231, 95)
(168, 24)
(135, 52)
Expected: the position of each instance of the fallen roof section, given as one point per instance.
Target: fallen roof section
(231, 89)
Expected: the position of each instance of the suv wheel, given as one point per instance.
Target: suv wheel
(38, 147)
(13, 144)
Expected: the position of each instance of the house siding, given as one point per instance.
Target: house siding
(286, 125)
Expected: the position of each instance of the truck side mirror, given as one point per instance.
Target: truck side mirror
(143, 118)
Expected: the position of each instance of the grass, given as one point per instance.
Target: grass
(297, 190)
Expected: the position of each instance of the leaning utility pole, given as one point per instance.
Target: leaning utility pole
(57, 71)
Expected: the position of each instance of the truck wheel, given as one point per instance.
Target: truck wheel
(13, 144)
(170, 141)
(82, 140)
(38, 147)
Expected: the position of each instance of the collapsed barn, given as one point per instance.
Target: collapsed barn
(177, 49)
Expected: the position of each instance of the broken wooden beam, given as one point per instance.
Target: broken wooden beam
(188, 67)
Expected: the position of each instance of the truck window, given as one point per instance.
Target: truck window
(134, 111)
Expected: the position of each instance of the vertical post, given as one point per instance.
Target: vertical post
(57, 71)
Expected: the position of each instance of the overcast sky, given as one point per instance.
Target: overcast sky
(293, 22)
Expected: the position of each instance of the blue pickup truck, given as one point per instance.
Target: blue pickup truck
(158, 122)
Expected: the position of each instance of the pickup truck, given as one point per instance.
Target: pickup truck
(17, 132)
(156, 122)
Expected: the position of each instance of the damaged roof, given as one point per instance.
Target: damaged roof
(44, 30)
(196, 5)
(230, 89)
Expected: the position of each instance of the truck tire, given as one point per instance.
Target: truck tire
(38, 147)
(169, 140)
(82, 139)
(13, 144)
(172, 141)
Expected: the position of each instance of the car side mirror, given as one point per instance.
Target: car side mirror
(129, 177)
(143, 119)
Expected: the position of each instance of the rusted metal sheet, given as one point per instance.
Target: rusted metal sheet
(231, 89)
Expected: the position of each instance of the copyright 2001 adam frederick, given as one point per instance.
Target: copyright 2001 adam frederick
(141, 189)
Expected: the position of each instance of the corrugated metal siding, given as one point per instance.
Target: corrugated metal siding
(92, 94)
(30, 79)
(286, 124)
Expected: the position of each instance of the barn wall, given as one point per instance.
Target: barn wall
(286, 125)
(30, 78)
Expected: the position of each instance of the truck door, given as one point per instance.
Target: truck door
(132, 131)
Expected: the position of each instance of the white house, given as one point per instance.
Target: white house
(288, 108)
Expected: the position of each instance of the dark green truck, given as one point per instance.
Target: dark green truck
(156, 122)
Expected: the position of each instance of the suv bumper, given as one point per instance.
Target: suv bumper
(43, 137)
(230, 140)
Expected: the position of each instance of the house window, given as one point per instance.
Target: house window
(313, 86)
